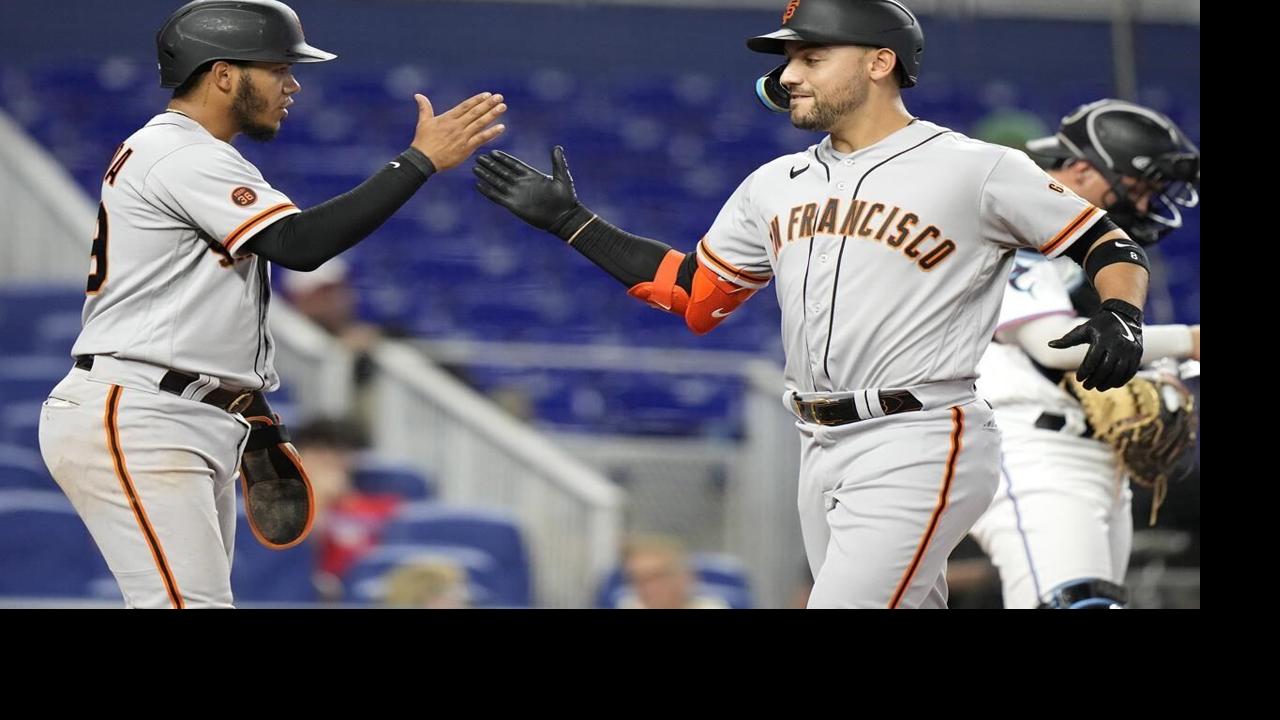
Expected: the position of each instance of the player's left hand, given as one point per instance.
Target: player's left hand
(543, 201)
(1114, 336)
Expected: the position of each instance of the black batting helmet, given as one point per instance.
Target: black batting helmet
(248, 30)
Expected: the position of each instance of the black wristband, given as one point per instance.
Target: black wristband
(1120, 307)
(417, 159)
(1113, 252)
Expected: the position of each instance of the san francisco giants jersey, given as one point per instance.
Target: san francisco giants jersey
(170, 284)
(890, 261)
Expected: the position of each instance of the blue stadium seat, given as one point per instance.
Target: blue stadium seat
(490, 531)
(375, 476)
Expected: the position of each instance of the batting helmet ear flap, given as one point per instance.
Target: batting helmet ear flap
(771, 93)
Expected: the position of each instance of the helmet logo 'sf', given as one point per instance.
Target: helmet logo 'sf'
(790, 11)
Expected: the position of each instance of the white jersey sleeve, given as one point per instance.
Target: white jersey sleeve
(1008, 378)
(213, 188)
(1023, 207)
(737, 246)
(1035, 290)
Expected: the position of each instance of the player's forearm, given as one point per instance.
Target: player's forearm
(1123, 281)
(1159, 341)
(654, 273)
(1115, 264)
(311, 238)
(630, 259)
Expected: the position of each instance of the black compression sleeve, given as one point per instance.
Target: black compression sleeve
(1080, 248)
(630, 259)
(311, 238)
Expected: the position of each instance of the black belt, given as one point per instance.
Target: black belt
(844, 411)
(1055, 422)
(232, 401)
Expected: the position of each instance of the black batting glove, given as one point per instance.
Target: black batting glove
(546, 202)
(1114, 336)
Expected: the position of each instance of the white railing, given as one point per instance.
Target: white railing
(672, 483)
(46, 222)
(571, 514)
(314, 365)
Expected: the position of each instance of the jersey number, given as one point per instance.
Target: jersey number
(98, 276)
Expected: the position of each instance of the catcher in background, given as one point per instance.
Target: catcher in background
(1060, 527)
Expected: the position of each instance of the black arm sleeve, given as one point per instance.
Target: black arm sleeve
(1080, 248)
(309, 239)
(630, 259)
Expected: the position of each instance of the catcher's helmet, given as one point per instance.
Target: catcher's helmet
(874, 23)
(250, 30)
(1122, 139)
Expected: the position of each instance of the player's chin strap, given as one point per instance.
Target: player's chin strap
(710, 302)
(771, 93)
(1086, 594)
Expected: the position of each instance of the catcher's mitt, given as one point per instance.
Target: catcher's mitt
(1150, 421)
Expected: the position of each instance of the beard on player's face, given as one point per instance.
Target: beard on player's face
(828, 108)
(833, 92)
(249, 108)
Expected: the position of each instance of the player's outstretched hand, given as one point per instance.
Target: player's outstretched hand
(1114, 336)
(543, 201)
(449, 138)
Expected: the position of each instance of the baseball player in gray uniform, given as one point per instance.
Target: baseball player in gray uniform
(1060, 528)
(146, 433)
(890, 241)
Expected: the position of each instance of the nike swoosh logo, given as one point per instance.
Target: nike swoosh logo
(1125, 326)
(395, 164)
(795, 172)
(719, 313)
(1120, 244)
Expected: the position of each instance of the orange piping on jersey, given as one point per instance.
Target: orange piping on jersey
(1069, 230)
(730, 269)
(135, 502)
(957, 422)
(254, 221)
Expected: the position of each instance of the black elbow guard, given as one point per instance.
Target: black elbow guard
(1121, 250)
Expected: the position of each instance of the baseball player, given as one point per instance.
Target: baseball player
(1060, 527)
(890, 241)
(146, 433)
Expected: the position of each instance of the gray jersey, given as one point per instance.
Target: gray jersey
(170, 284)
(890, 261)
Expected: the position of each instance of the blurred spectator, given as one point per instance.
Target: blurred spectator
(347, 522)
(660, 577)
(326, 297)
(437, 585)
